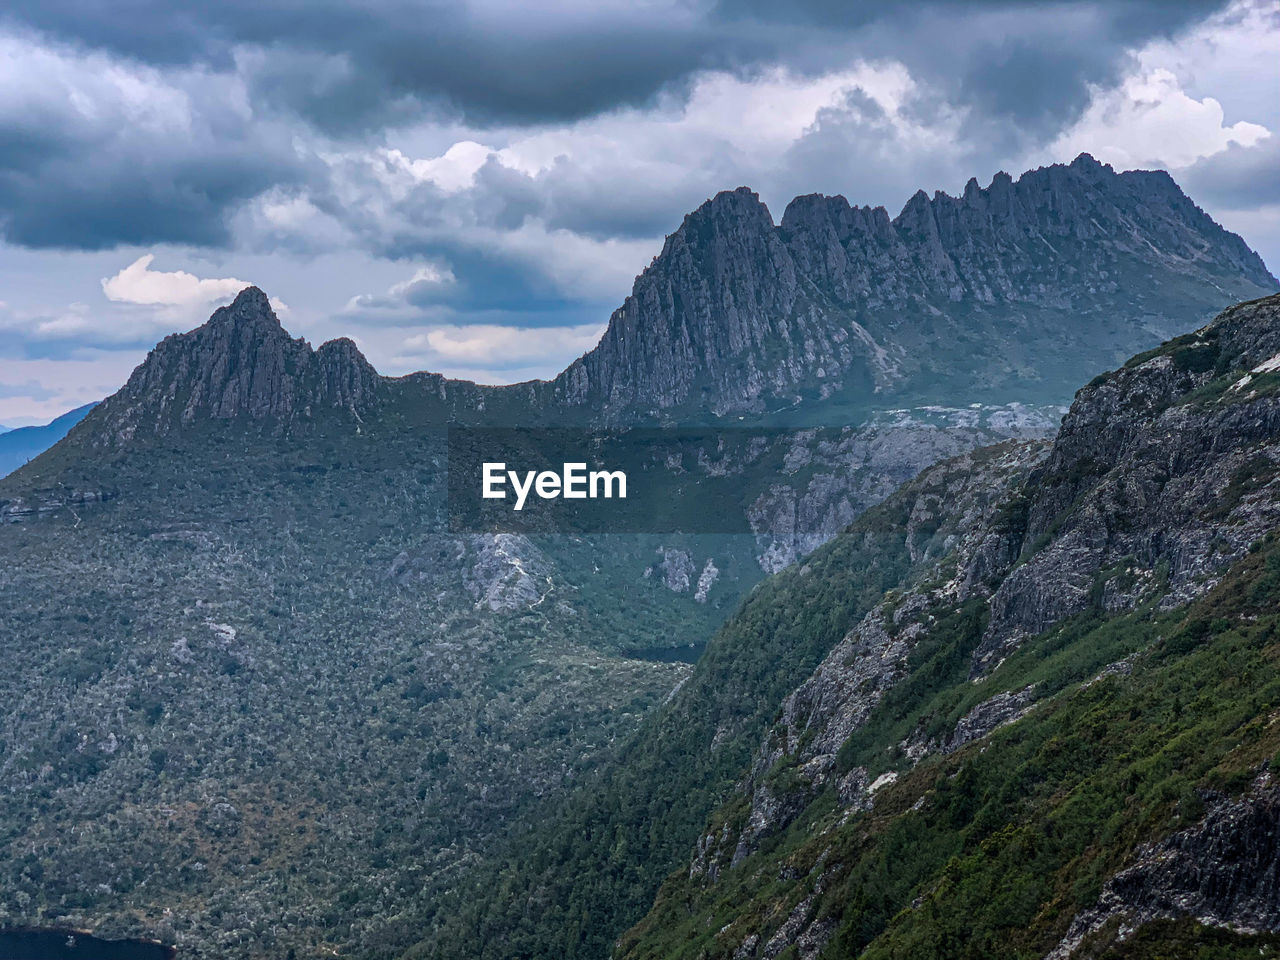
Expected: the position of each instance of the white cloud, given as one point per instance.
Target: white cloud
(490, 345)
(431, 275)
(493, 353)
(1150, 120)
(138, 283)
(1231, 56)
(756, 118)
(453, 171)
(577, 209)
(403, 298)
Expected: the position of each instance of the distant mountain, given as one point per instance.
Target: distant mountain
(241, 368)
(20, 444)
(1021, 290)
(1016, 292)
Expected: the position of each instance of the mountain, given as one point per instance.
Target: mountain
(1018, 291)
(20, 444)
(266, 698)
(251, 532)
(243, 368)
(1024, 707)
(1021, 290)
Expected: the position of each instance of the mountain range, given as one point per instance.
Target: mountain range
(264, 699)
(20, 444)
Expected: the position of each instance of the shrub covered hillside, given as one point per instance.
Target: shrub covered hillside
(1067, 738)
(1054, 729)
(568, 888)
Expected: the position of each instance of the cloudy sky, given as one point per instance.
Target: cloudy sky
(471, 187)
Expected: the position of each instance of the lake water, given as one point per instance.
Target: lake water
(64, 945)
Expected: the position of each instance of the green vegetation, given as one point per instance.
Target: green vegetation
(1186, 939)
(574, 881)
(308, 746)
(572, 885)
(991, 851)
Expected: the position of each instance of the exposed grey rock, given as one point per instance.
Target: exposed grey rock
(501, 572)
(750, 315)
(1224, 871)
(830, 477)
(242, 366)
(675, 569)
(1001, 710)
(50, 502)
(1163, 475)
(1138, 492)
(1032, 284)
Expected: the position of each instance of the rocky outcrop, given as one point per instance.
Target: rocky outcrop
(990, 715)
(829, 477)
(500, 572)
(1158, 480)
(240, 366)
(1224, 871)
(44, 503)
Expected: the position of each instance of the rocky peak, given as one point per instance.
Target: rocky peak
(241, 365)
(1048, 278)
(347, 378)
(704, 314)
(250, 310)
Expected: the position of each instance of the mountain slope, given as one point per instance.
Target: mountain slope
(21, 444)
(569, 889)
(1011, 758)
(1015, 579)
(253, 531)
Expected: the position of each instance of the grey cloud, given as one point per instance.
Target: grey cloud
(348, 69)
(98, 155)
(523, 66)
(529, 65)
(1238, 177)
(124, 199)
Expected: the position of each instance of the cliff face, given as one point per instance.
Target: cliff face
(240, 366)
(1163, 474)
(1224, 871)
(1028, 285)
(1162, 468)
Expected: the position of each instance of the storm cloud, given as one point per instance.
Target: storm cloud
(400, 171)
(201, 104)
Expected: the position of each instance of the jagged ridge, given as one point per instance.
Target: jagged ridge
(1016, 291)
(239, 365)
(1062, 268)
